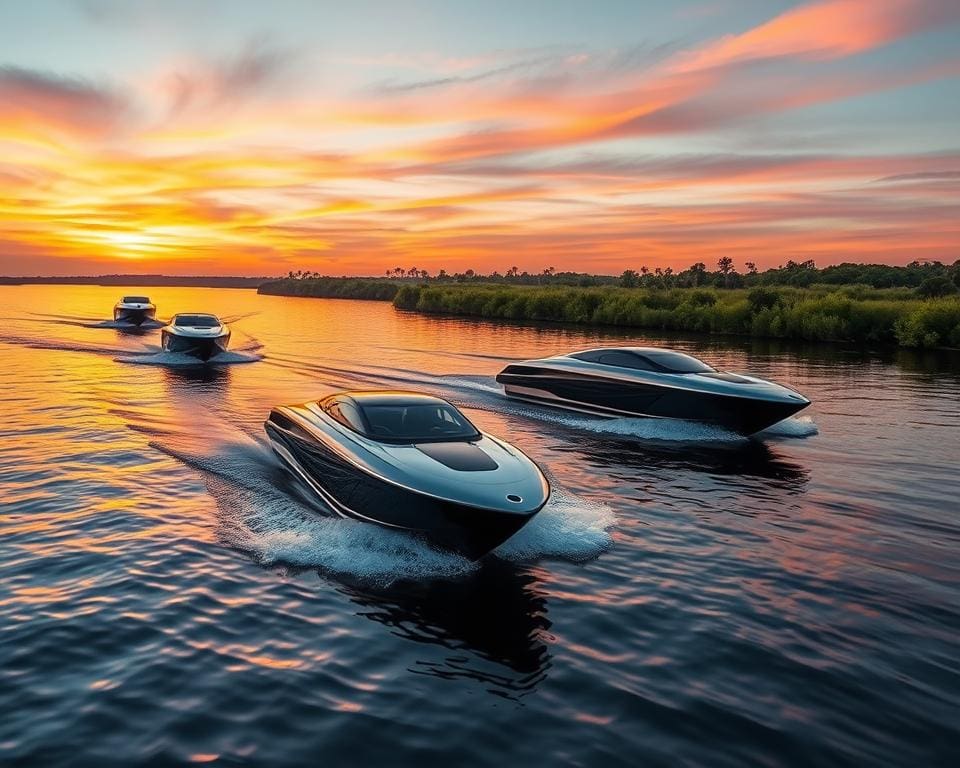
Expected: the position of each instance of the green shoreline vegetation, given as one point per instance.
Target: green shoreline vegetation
(917, 305)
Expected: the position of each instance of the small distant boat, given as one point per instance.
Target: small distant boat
(652, 382)
(197, 334)
(410, 462)
(134, 310)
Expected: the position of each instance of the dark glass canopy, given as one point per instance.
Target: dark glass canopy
(396, 417)
(645, 359)
(196, 321)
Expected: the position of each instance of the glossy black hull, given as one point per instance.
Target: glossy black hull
(201, 348)
(614, 397)
(465, 530)
(134, 316)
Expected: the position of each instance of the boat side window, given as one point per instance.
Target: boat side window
(590, 356)
(657, 360)
(626, 360)
(678, 362)
(347, 414)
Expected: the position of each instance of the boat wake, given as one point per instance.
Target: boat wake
(57, 345)
(147, 325)
(247, 353)
(795, 426)
(95, 322)
(231, 319)
(659, 430)
(181, 360)
(569, 527)
(263, 511)
(149, 355)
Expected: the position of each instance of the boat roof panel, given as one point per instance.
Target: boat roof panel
(391, 397)
(638, 350)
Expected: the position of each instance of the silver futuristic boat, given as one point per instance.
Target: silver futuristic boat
(196, 334)
(648, 381)
(134, 310)
(410, 462)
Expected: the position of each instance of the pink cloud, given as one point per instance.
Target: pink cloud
(828, 29)
(44, 101)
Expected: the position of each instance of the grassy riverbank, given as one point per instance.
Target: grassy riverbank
(855, 313)
(817, 313)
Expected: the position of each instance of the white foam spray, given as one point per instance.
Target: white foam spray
(258, 515)
(795, 426)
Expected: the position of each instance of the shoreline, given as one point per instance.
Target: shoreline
(883, 317)
(147, 281)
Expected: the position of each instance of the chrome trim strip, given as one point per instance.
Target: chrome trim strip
(331, 501)
(581, 368)
(572, 405)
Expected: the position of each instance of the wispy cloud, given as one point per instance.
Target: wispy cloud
(463, 79)
(48, 102)
(212, 83)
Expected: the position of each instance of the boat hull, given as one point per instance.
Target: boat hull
(203, 348)
(466, 530)
(615, 397)
(134, 316)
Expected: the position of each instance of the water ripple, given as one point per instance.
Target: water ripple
(171, 595)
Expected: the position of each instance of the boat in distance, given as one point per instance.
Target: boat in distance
(134, 310)
(651, 382)
(196, 334)
(411, 462)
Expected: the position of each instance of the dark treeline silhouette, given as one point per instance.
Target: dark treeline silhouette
(318, 286)
(937, 276)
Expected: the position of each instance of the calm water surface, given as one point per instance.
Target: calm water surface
(168, 594)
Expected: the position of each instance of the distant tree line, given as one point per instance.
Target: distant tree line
(931, 278)
(917, 305)
(195, 281)
(320, 287)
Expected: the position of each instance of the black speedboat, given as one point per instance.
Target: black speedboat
(134, 310)
(199, 335)
(411, 462)
(648, 381)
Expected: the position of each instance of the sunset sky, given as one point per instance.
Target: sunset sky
(203, 137)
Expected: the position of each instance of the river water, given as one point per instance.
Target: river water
(688, 597)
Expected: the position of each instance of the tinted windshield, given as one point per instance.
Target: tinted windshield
(677, 362)
(136, 300)
(420, 422)
(197, 321)
(657, 360)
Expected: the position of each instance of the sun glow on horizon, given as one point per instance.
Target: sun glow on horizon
(587, 158)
